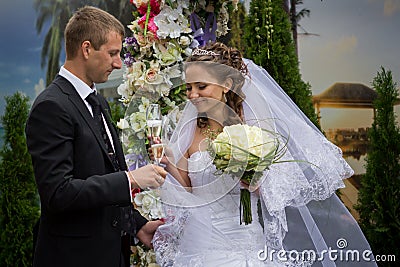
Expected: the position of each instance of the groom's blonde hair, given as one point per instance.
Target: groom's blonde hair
(90, 24)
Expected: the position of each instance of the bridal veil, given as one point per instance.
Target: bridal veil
(305, 223)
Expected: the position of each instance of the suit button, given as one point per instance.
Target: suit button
(115, 223)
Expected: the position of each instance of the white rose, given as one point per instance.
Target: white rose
(153, 76)
(221, 144)
(238, 135)
(146, 201)
(184, 40)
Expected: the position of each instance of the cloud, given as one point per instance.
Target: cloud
(391, 7)
(24, 70)
(39, 87)
(343, 46)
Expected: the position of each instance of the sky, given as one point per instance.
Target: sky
(349, 41)
(20, 48)
(353, 40)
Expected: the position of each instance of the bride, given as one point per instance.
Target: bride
(297, 219)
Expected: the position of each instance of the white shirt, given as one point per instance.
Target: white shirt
(84, 90)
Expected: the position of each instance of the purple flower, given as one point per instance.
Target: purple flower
(130, 41)
(128, 59)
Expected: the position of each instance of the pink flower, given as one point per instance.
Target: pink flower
(154, 8)
(151, 26)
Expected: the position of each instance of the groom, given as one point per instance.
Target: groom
(87, 217)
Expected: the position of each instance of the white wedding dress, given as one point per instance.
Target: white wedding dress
(303, 222)
(210, 233)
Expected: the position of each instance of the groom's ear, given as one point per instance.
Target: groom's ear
(85, 47)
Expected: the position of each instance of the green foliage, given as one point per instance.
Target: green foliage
(117, 110)
(56, 13)
(19, 205)
(236, 22)
(269, 43)
(378, 198)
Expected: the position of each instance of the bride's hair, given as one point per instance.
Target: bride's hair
(231, 57)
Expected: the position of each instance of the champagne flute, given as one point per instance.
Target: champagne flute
(153, 121)
(158, 151)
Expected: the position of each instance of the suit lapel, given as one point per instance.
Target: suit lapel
(77, 101)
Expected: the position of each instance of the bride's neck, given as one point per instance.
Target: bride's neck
(211, 130)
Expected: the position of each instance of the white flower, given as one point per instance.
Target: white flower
(123, 124)
(242, 143)
(171, 23)
(164, 88)
(151, 258)
(145, 201)
(167, 55)
(137, 121)
(184, 41)
(153, 76)
(149, 204)
(123, 90)
(144, 105)
(173, 71)
(188, 51)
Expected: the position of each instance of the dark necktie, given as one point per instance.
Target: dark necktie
(127, 219)
(94, 102)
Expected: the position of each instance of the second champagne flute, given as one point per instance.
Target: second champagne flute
(158, 151)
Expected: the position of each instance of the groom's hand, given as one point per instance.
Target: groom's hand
(149, 176)
(146, 233)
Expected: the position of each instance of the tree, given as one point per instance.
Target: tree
(269, 43)
(19, 203)
(56, 13)
(236, 22)
(378, 197)
(295, 17)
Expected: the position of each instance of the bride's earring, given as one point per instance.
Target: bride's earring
(224, 97)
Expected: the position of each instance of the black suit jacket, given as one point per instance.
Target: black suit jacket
(81, 193)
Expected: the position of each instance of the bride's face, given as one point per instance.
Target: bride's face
(204, 90)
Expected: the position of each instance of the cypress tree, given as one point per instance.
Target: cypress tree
(269, 43)
(378, 198)
(236, 23)
(19, 205)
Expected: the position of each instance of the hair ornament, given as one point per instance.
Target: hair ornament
(202, 52)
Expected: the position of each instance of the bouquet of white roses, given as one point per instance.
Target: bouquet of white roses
(245, 152)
